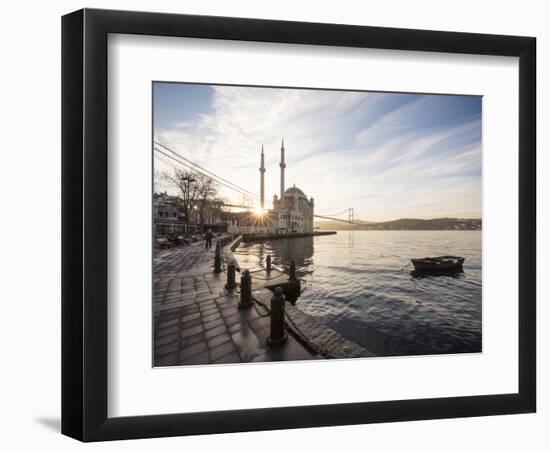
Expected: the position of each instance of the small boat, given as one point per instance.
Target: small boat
(438, 263)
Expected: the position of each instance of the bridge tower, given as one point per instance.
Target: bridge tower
(351, 213)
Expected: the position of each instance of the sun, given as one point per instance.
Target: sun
(259, 211)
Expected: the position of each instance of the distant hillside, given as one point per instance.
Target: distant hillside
(405, 224)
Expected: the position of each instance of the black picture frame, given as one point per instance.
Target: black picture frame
(84, 224)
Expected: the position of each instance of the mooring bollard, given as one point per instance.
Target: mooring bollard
(268, 263)
(292, 275)
(231, 284)
(278, 334)
(246, 290)
(218, 258)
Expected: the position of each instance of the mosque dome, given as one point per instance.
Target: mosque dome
(295, 191)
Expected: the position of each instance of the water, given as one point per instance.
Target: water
(355, 283)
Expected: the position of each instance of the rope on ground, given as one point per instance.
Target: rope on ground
(295, 328)
(263, 305)
(268, 278)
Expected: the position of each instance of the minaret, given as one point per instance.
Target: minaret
(282, 165)
(262, 171)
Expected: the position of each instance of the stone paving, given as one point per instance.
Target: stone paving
(196, 320)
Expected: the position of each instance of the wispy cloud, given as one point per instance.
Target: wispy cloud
(386, 155)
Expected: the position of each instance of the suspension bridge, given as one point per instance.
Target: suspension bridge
(347, 215)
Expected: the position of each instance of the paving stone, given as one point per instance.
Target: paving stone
(247, 343)
(168, 348)
(208, 325)
(235, 328)
(161, 332)
(201, 358)
(167, 323)
(186, 342)
(221, 350)
(170, 306)
(187, 310)
(214, 332)
(205, 298)
(207, 307)
(167, 315)
(190, 304)
(260, 323)
(211, 316)
(262, 334)
(248, 314)
(291, 350)
(224, 302)
(189, 318)
(232, 357)
(229, 310)
(232, 320)
(192, 350)
(218, 340)
(163, 340)
(186, 332)
(167, 360)
(191, 324)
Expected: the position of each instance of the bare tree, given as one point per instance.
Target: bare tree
(187, 184)
(195, 191)
(207, 191)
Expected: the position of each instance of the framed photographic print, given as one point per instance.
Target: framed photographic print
(273, 224)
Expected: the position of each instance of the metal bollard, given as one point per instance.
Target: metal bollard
(231, 284)
(218, 258)
(246, 290)
(268, 263)
(278, 335)
(292, 275)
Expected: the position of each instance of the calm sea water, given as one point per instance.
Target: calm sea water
(356, 282)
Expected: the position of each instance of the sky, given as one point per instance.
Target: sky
(387, 155)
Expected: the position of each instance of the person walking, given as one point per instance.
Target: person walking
(208, 237)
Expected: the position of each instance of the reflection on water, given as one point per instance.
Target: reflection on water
(252, 254)
(356, 284)
(453, 273)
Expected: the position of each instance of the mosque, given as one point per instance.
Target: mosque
(292, 211)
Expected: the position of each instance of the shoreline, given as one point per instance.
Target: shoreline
(252, 237)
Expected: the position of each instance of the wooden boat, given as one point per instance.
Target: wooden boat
(438, 263)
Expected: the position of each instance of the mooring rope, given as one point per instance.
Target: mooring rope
(267, 278)
(263, 305)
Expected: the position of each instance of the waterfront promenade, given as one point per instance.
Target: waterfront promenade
(197, 321)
